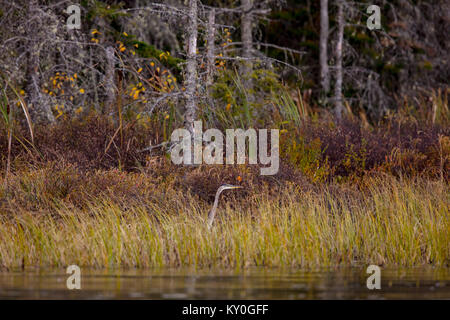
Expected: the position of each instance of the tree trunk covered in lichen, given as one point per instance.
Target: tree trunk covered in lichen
(339, 72)
(323, 46)
(191, 68)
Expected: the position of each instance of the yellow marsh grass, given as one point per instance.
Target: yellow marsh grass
(391, 222)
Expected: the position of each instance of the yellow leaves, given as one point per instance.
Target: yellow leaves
(60, 111)
(22, 93)
(227, 39)
(59, 84)
(82, 91)
(220, 63)
(135, 91)
(166, 117)
(121, 46)
(164, 55)
(94, 32)
(160, 79)
(239, 179)
(136, 45)
(79, 110)
(125, 34)
(228, 107)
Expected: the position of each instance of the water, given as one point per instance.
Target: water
(257, 283)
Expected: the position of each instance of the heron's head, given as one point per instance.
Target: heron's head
(228, 187)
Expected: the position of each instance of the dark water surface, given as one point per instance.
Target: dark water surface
(257, 283)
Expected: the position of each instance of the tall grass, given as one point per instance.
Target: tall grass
(6, 110)
(58, 216)
(385, 221)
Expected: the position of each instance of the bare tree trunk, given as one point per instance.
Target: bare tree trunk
(191, 69)
(94, 82)
(40, 109)
(324, 29)
(210, 47)
(340, 39)
(109, 81)
(247, 40)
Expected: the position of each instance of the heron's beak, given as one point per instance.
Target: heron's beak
(236, 187)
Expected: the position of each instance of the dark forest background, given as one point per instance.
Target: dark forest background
(346, 99)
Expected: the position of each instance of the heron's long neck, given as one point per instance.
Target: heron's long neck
(212, 213)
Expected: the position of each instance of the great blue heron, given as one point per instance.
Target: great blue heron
(212, 212)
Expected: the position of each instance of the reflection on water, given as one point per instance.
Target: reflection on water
(258, 283)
